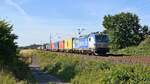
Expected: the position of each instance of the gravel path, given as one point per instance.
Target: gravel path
(42, 77)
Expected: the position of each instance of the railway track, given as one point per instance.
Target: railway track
(113, 58)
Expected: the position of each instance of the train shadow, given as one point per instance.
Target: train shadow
(114, 55)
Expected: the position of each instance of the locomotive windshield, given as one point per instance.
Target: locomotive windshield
(101, 38)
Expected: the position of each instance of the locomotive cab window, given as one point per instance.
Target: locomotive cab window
(89, 39)
(101, 38)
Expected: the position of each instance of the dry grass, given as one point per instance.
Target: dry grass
(26, 53)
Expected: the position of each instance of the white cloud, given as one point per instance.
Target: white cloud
(22, 1)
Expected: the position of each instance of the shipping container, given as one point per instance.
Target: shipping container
(51, 45)
(56, 45)
(75, 43)
(65, 44)
(68, 44)
(83, 42)
(61, 45)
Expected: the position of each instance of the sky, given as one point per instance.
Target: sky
(35, 20)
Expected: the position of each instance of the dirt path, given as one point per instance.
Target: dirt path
(42, 77)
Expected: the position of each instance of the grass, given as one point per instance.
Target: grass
(8, 78)
(16, 74)
(78, 70)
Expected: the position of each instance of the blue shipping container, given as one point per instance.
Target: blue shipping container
(75, 43)
(83, 42)
(56, 45)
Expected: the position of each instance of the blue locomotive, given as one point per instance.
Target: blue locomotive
(94, 43)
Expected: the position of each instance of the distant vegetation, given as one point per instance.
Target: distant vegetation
(79, 70)
(12, 70)
(33, 46)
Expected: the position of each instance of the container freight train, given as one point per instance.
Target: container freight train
(94, 43)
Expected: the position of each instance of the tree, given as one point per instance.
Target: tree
(145, 30)
(7, 43)
(124, 30)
